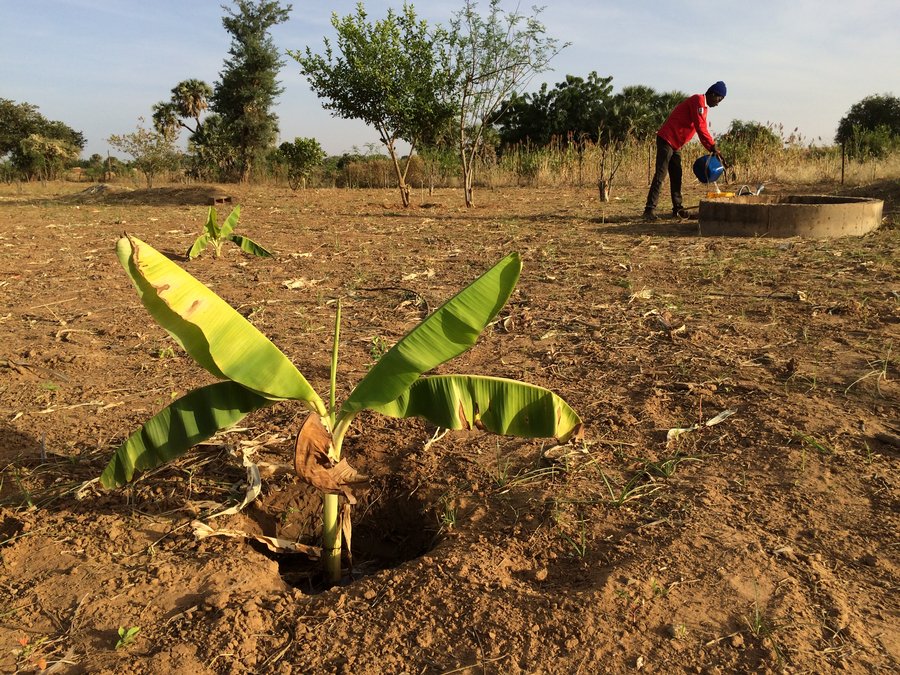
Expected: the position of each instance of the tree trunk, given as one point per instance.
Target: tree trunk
(603, 186)
(468, 179)
(401, 175)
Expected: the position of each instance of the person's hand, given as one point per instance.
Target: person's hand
(718, 156)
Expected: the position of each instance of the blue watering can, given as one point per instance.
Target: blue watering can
(708, 168)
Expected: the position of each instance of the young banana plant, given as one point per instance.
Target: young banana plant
(215, 235)
(254, 373)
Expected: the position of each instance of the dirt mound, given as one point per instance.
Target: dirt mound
(195, 195)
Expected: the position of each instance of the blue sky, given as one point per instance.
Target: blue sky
(99, 65)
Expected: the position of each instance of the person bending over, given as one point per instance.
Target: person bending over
(688, 118)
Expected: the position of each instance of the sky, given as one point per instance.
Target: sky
(100, 65)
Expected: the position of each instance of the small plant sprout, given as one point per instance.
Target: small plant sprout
(216, 236)
(447, 514)
(254, 373)
(127, 636)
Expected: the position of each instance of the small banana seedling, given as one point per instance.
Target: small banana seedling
(216, 236)
(254, 373)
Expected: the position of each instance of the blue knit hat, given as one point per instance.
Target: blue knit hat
(717, 88)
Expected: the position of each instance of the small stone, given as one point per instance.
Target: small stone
(737, 640)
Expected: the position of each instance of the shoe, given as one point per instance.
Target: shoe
(649, 215)
(680, 213)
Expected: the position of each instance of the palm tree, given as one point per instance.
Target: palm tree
(191, 98)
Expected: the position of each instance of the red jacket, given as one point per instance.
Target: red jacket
(688, 118)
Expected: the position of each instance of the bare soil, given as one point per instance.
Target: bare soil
(767, 542)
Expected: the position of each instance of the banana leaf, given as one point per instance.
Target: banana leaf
(229, 224)
(499, 405)
(250, 246)
(209, 329)
(452, 329)
(199, 246)
(178, 427)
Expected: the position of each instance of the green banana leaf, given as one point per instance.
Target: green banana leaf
(452, 329)
(178, 427)
(250, 246)
(199, 246)
(499, 405)
(209, 329)
(230, 223)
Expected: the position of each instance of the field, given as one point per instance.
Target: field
(764, 542)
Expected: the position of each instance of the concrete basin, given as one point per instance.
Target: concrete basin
(817, 216)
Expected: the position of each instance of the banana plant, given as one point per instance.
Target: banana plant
(215, 235)
(254, 373)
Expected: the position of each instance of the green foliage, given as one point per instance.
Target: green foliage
(301, 156)
(212, 155)
(189, 100)
(576, 110)
(246, 93)
(643, 110)
(573, 109)
(491, 58)
(153, 152)
(254, 373)
(871, 128)
(388, 73)
(216, 236)
(127, 636)
(746, 143)
(37, 147)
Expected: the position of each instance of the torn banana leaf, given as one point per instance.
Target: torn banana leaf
(496, 404)
(214, 334)
(451, 329)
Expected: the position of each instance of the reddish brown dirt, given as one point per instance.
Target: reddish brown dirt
(767, 542)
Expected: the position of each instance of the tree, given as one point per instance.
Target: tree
(572, 110)
(153, 152)
(190, 99)
(645, 109)
(527, 118)
(389, 74)
(301, 156)
(492, 57)
(45, 157)
(246, 92)
(37, 147)
(871, 127)
(211, 152)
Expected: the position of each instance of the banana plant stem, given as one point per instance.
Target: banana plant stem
(331, 538)
(331, 519)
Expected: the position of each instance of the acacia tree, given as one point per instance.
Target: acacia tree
(390, 74)
(492, 57)
(246, 92)
(153, 152)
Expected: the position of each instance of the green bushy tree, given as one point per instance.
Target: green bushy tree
(300, 156)
(36, 146)
(871, 128)
(388, 73)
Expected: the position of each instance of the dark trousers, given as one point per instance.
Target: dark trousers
(668, 160)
